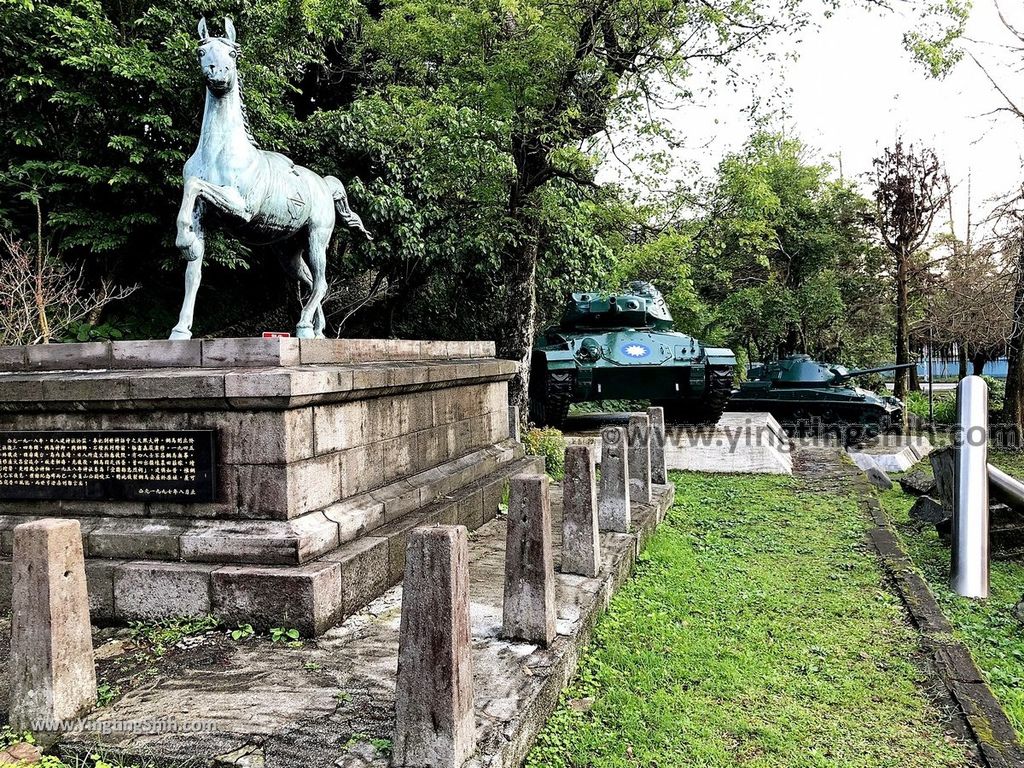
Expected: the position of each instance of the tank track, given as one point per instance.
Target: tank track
(549, 406)
(709, 409)
(716, 396)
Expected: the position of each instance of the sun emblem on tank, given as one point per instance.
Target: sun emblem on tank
(636, 350)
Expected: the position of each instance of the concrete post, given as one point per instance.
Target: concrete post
(969, 547)
(529, 607)
(581, 545)
(514, 424)
(434, 718)
(639, 437)
(53, 674)
(613, 503)
(659, 472)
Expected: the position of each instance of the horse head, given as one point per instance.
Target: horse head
(218, 58)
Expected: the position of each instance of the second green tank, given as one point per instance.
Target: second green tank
(805, 395)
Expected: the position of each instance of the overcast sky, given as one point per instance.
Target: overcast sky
(853, 89)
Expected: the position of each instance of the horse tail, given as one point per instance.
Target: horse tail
(350, 217)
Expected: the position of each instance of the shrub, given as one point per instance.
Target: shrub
(549, 443)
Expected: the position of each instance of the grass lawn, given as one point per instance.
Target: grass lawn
(755, 632)
(994, 637)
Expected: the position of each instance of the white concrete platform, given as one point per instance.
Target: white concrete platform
(741, 443)
(893, 453)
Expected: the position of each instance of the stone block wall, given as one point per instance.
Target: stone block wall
(324, 462)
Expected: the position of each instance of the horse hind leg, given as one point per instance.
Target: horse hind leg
(319, 237)
(298, 269)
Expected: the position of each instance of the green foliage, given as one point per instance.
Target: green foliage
(287, 635)
(711, 656)
(242, 632)
(106, 693)
(549, 443)
(162, 634)
(936, 44)
(785, 258)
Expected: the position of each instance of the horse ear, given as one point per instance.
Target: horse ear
(229, 28)
(204, 33)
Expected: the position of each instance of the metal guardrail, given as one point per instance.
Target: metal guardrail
(969, 566)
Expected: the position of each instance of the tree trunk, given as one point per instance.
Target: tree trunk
(1013, 404)
(902, 323)
(915, 379)
(978, 363)
(962, 357)
(515, 328)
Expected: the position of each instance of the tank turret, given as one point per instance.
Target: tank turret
(612, 346)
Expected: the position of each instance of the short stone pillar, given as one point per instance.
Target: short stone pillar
(613, 501)
(515, 424)
(529, 607)
(434, 718)
(659, 472)
(581, 544)
(53, 674)
(639, 436)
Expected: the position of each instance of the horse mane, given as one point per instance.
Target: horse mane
(245, 112)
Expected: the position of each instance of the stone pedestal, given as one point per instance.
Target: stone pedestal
(614, 500)
(327, 453)
(53, 676)
(581, 543)
(434, 719)
(638, 434)
(529, 605)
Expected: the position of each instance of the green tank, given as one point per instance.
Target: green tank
(803, 394)
(621, 346)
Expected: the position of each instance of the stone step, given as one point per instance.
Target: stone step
(272, 542)
(310, 597)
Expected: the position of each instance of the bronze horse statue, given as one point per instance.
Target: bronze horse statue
(265, 196)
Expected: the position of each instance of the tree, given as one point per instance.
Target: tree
(910, 190)
(783, 254)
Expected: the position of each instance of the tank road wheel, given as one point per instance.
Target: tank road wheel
(550, 396)
(711, 406)
(716, 396)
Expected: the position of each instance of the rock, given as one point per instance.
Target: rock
(21, 755)
(928, 510)
(878, 478)
(917, 483)
(864, 461)
(1018, 611)
(943, 469)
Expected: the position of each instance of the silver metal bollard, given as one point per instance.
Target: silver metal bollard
(969, 567)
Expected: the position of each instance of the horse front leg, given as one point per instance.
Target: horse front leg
(192, 244)
(190, 240)
(319, 237)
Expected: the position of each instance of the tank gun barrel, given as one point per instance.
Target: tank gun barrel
(865, 371)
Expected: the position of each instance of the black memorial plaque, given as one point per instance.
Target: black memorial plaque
(108, 465)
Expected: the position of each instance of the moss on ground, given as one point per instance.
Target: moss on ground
(756, 632)
(987, 627)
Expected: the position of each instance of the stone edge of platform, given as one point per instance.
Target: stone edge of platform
(982, 718)
(231, 352)
(519, 735)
